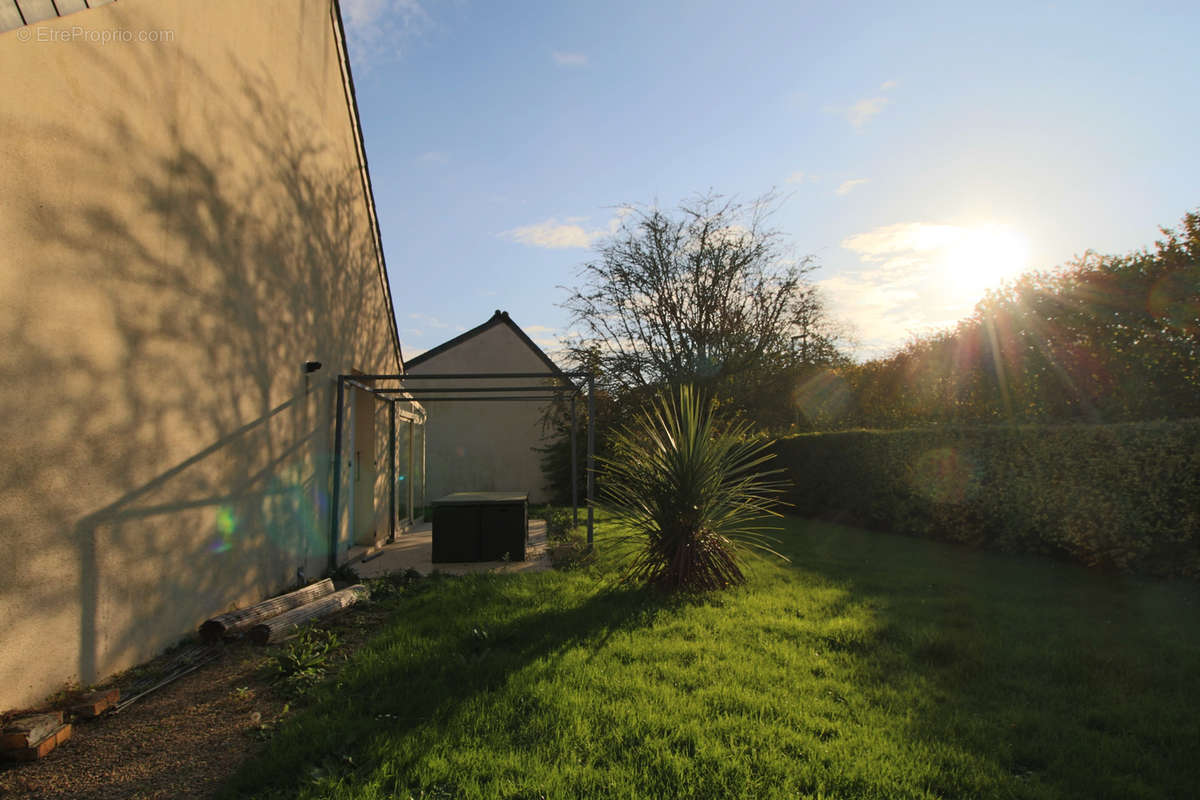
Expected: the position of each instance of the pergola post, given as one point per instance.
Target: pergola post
(574, 465)
(392, 470)
(591, 458)
(337, 472)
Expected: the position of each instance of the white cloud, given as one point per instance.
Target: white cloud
(796, 177)
(861, 111)
(619, 214)
(431, 321)
(564, 59)
(864, 109)
(377, 30)
(915, 277)
(848, 186)
(570, 233)
(880, 243)
(543, 336)
(553, 234)
(882, 312)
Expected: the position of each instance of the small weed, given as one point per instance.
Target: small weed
(560, 524)
(384, 588)
(570, 554)
(242, 693)
(568, 547)
(65, 696)
(301, 664)
(263, 731)
(394, 585)
(344, 574)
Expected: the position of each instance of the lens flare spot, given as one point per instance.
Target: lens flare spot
(291, 511)
(822, 398)
(226, 525)
(1175, 301)
(945, 475)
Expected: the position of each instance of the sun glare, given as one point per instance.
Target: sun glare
(983, 256)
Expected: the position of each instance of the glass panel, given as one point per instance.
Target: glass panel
(418, 470)
(403, 470)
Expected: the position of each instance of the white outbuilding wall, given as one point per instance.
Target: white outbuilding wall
(484, 446)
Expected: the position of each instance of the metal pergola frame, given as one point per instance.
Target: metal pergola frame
(401, 394)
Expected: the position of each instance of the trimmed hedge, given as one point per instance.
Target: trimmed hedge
(1122, 496)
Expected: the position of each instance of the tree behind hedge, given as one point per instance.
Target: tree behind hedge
(1104, 339)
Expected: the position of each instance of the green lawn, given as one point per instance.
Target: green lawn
(872, 666)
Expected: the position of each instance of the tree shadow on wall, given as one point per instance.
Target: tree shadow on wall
(175, 458)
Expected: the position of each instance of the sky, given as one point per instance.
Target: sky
(921, 153)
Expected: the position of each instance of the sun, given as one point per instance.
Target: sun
(981, 257)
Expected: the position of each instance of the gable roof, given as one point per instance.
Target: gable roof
(499, 318)
(17, 14)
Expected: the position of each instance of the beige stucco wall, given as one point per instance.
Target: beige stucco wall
(484, 446)
(182, 225)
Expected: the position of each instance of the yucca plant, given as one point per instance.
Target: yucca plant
(692, 492)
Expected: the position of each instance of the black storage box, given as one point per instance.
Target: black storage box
(480, 526)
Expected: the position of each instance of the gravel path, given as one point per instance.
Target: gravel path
(181, 741)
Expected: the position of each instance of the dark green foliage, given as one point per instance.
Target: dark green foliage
(1124, 496)
(556, 455)
(691, 492)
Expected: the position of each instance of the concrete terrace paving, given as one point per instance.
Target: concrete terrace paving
(414, 550)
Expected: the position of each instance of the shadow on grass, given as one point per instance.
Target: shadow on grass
(873, 666)
(458, 641)
(1015, 674)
